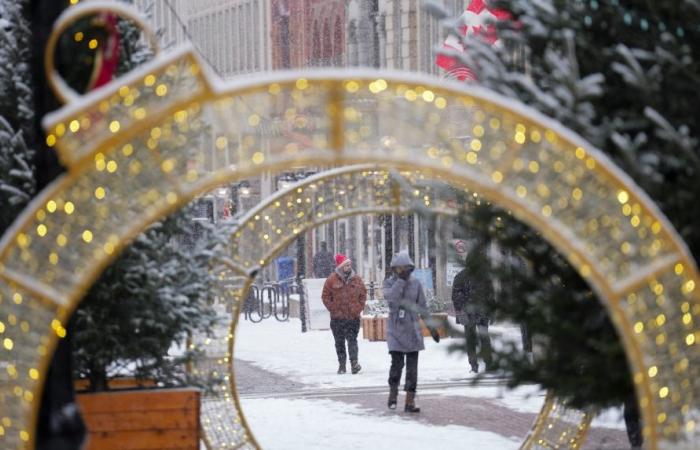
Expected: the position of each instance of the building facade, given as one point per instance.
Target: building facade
(242, 37)
(232, 35)
(307, 33)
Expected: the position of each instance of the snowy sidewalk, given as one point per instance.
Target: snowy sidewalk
(309, 358)
(293, 398)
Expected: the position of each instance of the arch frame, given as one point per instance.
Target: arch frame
(204, 89)
(571, 426)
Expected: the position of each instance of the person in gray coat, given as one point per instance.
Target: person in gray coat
(406, 300)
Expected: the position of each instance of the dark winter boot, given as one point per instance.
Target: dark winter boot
(475, 368)
(411, 403)
(341, 367)
(355, 367)
(393, 396)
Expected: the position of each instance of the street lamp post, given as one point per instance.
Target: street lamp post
(284, 181)
(302, 302)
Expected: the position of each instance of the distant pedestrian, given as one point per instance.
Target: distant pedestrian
(404, 336)
(344, 295)
(323, 264)
(472, 295)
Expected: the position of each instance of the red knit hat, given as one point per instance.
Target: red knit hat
(341, 259)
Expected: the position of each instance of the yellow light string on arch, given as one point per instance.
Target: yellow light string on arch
(266, 230)
(143, 145)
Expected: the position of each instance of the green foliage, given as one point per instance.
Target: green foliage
(156, 294)
(17, 184)
(580, 357)
(16, 98)
(16, 174)
(131, 48)
(624, 75)
(151, 298)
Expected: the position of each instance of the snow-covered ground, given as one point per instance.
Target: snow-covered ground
(609, 418)
(322, 423)
(326, 424)
(310, 358)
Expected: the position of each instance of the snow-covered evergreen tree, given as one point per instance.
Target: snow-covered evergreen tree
(16, 99)
(624, 75)
(131, 48)
(17, 184)
(154, 295)
(579, 356)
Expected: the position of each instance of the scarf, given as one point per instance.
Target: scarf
(345, 276)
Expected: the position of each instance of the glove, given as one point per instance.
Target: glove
(435, 335)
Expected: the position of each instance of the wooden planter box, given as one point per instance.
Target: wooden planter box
(374, 328)
(142, 419)
(439, 318)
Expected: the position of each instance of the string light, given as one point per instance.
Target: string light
(81, 227)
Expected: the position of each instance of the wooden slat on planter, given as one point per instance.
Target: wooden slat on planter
(139, 400)
(142, 420)
(169, 419)
(374, 328)
(143, 440)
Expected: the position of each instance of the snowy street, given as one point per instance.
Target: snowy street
(287, 381)
(527, 168)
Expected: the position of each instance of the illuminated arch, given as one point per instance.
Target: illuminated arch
(142, 146)
(334, 194)
(266, 230)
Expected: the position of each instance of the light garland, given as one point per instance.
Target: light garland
(141, 147)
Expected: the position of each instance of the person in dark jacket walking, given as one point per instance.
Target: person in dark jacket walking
(404, 337)
(344, 296)
(323, 264)
(472, 294)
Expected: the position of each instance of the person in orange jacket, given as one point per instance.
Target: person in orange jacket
(344, 295)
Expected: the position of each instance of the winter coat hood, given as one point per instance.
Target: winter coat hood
(401, 259)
